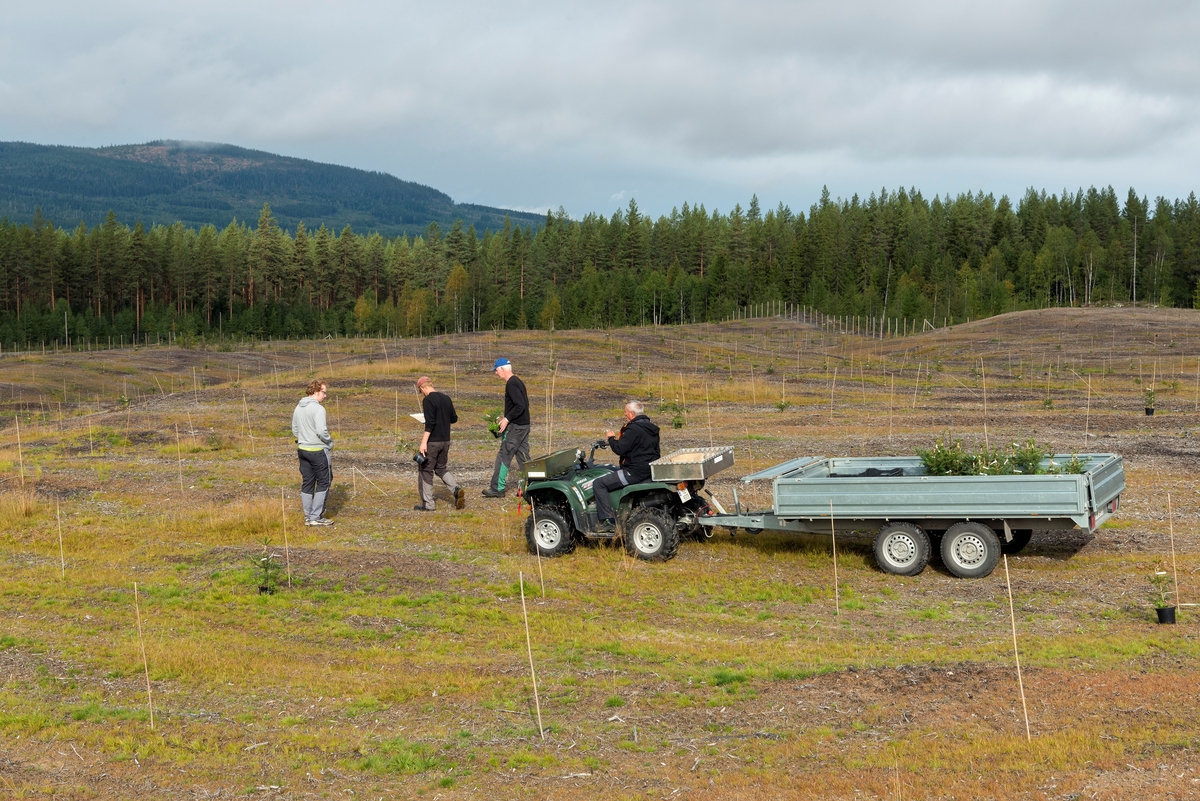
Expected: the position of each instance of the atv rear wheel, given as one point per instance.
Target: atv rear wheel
(552, 535)
(650, 534)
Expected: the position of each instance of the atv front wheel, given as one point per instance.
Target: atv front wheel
(552, 535)
(650, 534)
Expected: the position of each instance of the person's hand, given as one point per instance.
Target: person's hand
(609, 434)
(503, 424)
(423, 448)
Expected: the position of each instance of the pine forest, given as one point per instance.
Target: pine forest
(895, 254)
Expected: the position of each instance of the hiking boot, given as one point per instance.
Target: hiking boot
(460, 498)
(606, 526)
(421, 508)
(491, 493)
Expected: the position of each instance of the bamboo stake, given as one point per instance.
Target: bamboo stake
(1171, 524)
(195, 387)
(983, 376)
(891, 402)
(145, 662)
(537, 547)
(837, 607)
(1012, 616)
(20, 452)
(916, 386)
(287, 552)
(372, 483)
(179, 457)
(62, 558)
(529, 649)
(832, 385)
(245, 414)
(91, 450)
(397, 414)
(192, 429)
(354, 483)
(553, 379)
(708, 408)
(1087, 416)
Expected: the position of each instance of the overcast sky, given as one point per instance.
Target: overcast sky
(585, 105)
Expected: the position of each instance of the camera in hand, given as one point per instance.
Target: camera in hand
(420, 458)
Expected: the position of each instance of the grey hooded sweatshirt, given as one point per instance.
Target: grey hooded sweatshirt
(309, 427)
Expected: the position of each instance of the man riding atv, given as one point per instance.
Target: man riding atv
(637, 447)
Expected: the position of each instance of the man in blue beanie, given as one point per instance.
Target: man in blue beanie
(514, 429)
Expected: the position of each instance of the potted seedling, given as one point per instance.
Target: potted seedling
(1160, 583)
(267, 567)
(1149, 402)
(492, 417)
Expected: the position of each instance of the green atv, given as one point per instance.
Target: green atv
(652, 517)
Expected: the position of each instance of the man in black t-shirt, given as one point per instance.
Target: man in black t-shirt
(514, 428)
(435, 445)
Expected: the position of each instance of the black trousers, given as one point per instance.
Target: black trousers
(316, 471)
(601, 487)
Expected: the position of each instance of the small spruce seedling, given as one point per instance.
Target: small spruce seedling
(268, 568)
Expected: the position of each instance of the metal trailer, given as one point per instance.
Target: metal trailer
(976, 517)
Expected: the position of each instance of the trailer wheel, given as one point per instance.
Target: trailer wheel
(650, 534)
(553, 536)
(902, 549)
(1021, 537)
(970, 550)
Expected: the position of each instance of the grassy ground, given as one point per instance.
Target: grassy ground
(393, 663)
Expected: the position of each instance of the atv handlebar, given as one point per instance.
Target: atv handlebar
(597, 445)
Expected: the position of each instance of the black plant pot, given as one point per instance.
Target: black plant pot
(1149, 411)
(1166, 614)
(263, 589)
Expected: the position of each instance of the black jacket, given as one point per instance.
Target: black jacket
(637, 446)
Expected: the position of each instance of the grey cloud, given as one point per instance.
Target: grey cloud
(519, 103)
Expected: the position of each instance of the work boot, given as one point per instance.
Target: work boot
(491, 493)
(606, 526)
(421, 508)
(460, 498)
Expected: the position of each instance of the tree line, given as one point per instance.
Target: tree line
(894, 253)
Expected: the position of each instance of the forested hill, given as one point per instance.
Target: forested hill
(201, 183)
(895, 254)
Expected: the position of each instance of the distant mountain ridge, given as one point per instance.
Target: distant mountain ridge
(198, 183)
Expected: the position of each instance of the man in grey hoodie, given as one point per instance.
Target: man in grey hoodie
(313, 443)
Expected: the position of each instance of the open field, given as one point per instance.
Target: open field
(395, 663)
